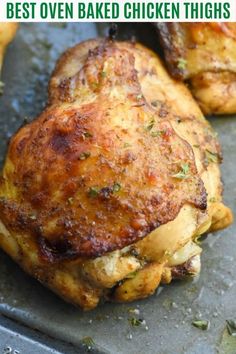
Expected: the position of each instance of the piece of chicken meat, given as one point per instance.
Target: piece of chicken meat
(103, 194)
(203, 54)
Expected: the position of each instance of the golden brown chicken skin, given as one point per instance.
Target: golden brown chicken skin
(204, 54)
(104, 193)
(89, 192)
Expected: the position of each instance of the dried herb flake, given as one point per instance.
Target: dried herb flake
(103, 74)
(135, 322)
(211, 156)
(150, 125)
(88, 342)
(84, 155)
(70, 200)
(33, 217)
(212, 200)
(204, 325)
(131, 275)
(126, 145)
(87, 135)
(182, 63)
(116, 187)
(157, 133)
(139, 97)
(93, 192)
(183, 173)
(155, 103)
(231, 327)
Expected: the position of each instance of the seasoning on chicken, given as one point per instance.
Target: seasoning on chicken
(104, 194)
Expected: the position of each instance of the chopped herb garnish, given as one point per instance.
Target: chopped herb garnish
(155, 103)
(211, 156)
(231, 327)
(116, 187)
(95, 85)
(84, 155)
(134, 311)
(1, 87)
(167, 253)
(139, 97)
(212, 200)
(126, 145)
(131, 275)
(196, 146)
(70, 200)
(88, 342)
(103, 74)
(182, 64)
(183, 173)
(135, 322)
(157, 133)
(150, 125)
(93, 192)
(33, 217)
(204, 325)
(87, 135)
(227, 342)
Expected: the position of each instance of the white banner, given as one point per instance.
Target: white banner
(117, 11)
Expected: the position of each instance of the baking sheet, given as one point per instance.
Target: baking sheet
(170, 312)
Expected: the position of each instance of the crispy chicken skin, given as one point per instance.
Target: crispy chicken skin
(104, 193)
(7, 33)
(203, 54)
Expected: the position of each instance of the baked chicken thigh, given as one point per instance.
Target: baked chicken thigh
(203, 54)
(104, 194)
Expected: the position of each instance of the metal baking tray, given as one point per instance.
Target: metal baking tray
(33, 319)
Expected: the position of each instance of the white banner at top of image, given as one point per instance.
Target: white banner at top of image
(118, 11)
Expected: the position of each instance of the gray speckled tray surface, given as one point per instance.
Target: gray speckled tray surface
(170, 312)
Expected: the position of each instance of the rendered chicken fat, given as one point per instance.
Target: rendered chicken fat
(127, 176)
